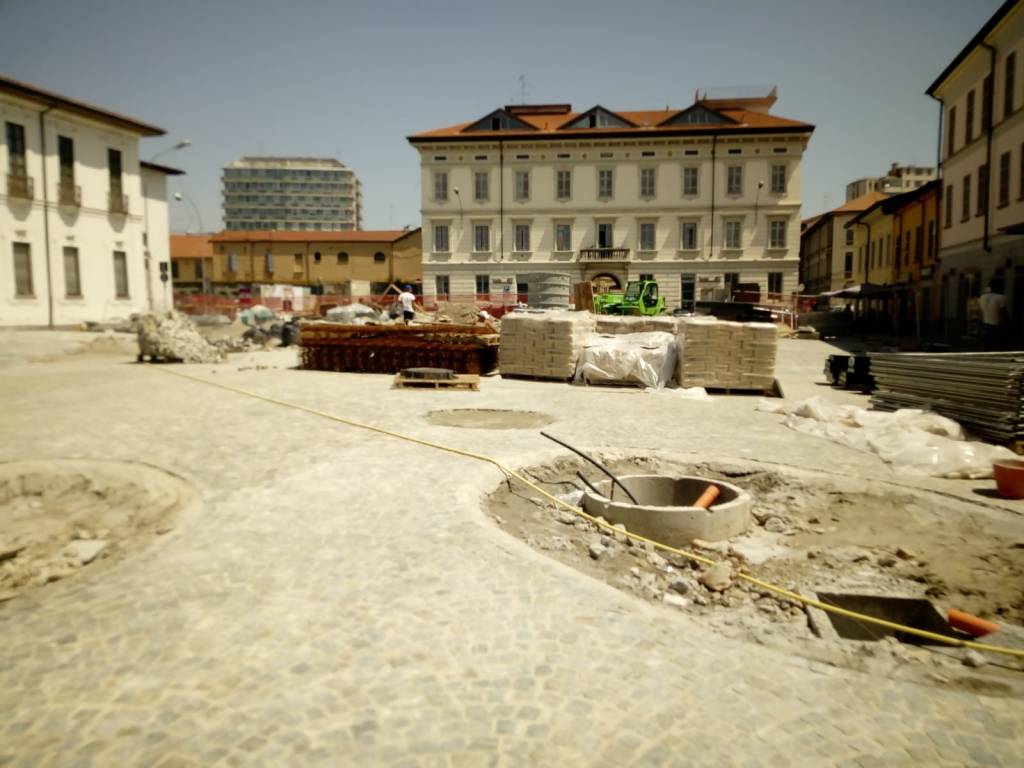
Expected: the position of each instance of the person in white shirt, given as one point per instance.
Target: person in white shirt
(406, 298)
(993, 306)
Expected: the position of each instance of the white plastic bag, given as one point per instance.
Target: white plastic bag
(641, 359)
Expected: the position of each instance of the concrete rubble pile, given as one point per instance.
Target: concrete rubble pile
(726, 355)
(172, 336)
(544, 345)
(616, 325)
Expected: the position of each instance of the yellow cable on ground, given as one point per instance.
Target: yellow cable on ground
(511, 473)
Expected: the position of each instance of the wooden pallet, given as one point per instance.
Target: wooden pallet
(468, 381)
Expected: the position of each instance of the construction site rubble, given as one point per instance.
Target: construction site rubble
(544, 345)
(909, 439)
(723, 354)
(172, 336)
(634, 359)
(355, 314)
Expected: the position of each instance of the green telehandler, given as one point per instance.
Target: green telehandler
(640, 298)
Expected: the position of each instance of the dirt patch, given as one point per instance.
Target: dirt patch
(812, 532)
(60, 518)
(479, 418)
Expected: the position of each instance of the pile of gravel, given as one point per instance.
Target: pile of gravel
(172, 336)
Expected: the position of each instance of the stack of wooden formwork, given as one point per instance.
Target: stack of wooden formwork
(543, 345)
(393, 348)
(720, 354)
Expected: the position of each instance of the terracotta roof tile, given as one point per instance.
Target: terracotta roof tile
(191, 246)
(291, 236)
(861, 203)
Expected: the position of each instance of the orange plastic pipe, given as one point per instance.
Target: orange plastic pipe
(708, 497)
(972, 625)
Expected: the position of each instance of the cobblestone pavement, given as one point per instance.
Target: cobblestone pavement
(339, 599)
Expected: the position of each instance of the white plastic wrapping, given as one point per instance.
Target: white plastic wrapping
(639, 359)
(914, 441)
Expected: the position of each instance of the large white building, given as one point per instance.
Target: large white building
(307, 194)
(703, 199)
(83, 223)
(982, 169)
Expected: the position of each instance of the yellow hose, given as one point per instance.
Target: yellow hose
(511, 473)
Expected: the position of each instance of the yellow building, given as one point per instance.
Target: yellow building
(353, 263)
(915, 258)
(191, 262)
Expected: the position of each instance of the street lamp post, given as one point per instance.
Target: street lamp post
(183, 144)
(182, 197)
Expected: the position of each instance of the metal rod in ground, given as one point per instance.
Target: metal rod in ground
(596, 463)
(587, 483)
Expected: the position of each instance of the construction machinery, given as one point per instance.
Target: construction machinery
(641, 297)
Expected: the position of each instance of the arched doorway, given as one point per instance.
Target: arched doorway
(605, 282)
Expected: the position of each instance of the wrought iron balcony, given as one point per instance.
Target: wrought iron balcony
(604, 254)
(118, 203)
(69, 195)
(20, 186)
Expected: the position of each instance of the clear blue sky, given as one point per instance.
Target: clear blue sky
(352, 79)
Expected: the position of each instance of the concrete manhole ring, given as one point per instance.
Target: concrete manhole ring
(810, 532)
(489, 418)
(63, 517)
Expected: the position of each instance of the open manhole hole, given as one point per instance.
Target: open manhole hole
(63, 517)
(913, 612)
(483, 418)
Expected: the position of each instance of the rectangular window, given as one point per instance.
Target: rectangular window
(604, 183)
(66, 155)
(563, 237)
(522, 185)
(481, 186)
(732, 233)
(734, 182)
(779, 179)
(522, 235)
(899, 249)
(918, 244)
(951, 132)
(777, 233)
(982, 189)
(949, 205)
(199, 269)
(232, 262)
(1009, 84)
(440, 186)
(563, 184)
(483, 287)
(931, 239)
(481, 238)
(174, 270)
(689, 180)
(441, 244)
(775, 282)
(688, 289)
(849, 237)
(888, 249)
(965, 204)
(646, 236)
(986, 103)
(1004, 179)
(647, 188)
(969, 118)
(23, 269)
(688, 236)
(906, 247)
(16, 163)
(72, 278)
(114, 164)
(121, 274)
(604, 236)
(441, 287)
(848, 264)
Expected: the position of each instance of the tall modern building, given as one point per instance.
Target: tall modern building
(291, 193)
(899, 179)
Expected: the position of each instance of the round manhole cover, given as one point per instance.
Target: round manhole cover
(482, 418)
(63, 517)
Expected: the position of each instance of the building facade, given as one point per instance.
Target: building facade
(346, 264)
(829, 254)
(83, 223)
(702, 199)
(291, 193)
(191, 262)
(901, 178)
(982, 171)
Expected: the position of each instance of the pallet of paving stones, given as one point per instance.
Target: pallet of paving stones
(983, 391)
(466, 349)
